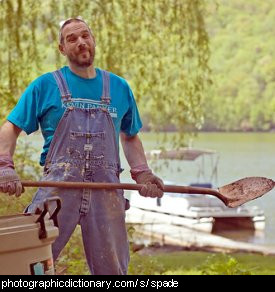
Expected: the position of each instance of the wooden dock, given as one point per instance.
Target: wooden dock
(159, 227)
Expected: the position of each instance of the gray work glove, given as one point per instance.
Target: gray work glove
(153, 185)
(9, 180)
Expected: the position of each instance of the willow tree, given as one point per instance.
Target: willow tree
(159, 46)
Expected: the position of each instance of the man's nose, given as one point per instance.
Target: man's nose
(81, 42)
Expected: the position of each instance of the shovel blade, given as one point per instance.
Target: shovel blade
(245, 190)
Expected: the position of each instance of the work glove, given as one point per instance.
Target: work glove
(9, 180)
(153, 185)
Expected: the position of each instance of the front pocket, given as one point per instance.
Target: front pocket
(87, 145)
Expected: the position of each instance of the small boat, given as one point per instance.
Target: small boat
(201, 212)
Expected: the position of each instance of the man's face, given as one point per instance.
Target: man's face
(78, 44)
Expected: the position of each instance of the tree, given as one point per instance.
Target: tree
(242, 44)
(160, 47)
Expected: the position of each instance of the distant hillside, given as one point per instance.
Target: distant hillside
(242, 41)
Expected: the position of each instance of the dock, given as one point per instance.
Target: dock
(167, 230)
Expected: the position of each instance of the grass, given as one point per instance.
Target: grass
(171, 261)
(197, 263)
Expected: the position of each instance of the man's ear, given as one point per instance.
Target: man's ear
(61, 49)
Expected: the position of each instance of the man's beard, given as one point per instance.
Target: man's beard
(83, 63)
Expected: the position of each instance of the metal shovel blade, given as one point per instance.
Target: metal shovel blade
(246, 189)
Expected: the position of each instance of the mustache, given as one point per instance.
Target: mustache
(83, 48)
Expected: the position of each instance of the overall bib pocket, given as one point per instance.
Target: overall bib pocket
(86, 145)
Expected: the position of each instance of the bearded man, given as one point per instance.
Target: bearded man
(82, 112)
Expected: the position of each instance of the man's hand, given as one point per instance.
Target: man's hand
(9, 180)
(153, 185)
(140, 172)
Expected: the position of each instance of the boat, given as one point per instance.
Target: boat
(200, 212)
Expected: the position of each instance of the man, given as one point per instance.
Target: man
(81, 111)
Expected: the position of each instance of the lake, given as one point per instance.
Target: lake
(240, 155)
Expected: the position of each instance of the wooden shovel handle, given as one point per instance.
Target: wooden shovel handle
(124, 186)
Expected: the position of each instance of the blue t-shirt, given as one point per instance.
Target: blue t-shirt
(41, 104)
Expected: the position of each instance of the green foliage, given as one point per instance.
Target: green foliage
(222, 265)
(141, 264)
(154, 45)
(160, 47)
(72, 259)
(241, 35)
(195, 263)
(27, 169)
(144, 265)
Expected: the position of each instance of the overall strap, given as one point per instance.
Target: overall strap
(106, 97)
(62, 85)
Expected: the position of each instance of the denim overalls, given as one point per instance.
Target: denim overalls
(84, 148)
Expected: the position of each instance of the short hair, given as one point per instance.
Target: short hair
(68, 21)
